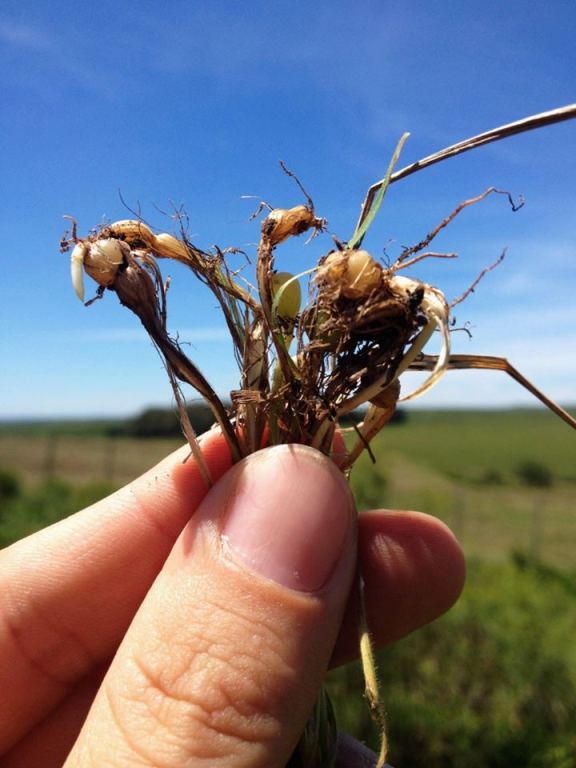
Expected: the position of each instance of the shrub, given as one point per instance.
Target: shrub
(492, 683)
(164, 422)
(10, 485)
(535, 474)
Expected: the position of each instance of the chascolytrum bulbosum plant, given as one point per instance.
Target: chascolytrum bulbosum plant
(303, 368)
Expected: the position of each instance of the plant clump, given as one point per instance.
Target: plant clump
(306, 359)
(357, 332)
(304, 363)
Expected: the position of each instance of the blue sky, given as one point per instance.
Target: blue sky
(194, 103)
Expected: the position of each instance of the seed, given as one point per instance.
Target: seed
(169, 247)
(289, 301)
(354, 274)
(103, 258)
(282, 223)
(133, 231)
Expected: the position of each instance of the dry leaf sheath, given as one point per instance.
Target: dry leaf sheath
(302, 368)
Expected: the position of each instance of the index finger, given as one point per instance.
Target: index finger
(69, 592)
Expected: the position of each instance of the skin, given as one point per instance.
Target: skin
(153, 628)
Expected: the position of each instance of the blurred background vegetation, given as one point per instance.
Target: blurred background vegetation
(491, 683)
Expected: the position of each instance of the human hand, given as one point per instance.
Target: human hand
(170, 626)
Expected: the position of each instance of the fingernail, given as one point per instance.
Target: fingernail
(289, 516)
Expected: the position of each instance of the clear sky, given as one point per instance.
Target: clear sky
(194, 103)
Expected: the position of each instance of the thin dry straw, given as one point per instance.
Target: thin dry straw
(496, 134)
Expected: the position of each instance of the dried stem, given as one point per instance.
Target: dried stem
(489, 363)
(144, 295)
(496, 134)
(264, 268)
(204, 265)
(188, 430)
(375, 420)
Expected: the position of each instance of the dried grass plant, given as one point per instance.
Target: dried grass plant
(303, 364)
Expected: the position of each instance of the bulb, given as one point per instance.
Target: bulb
(354, 274)
(103, 258)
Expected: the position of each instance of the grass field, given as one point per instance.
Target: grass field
(462, 467)
(459, 466)
(474, 445)
(80, 459)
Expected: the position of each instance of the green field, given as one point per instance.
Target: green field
(472, 445)
(460, 466)
(466, 468)
(467, 446)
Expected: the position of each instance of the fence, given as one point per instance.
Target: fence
(490, 521)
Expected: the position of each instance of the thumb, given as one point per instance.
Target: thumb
(224, 659)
